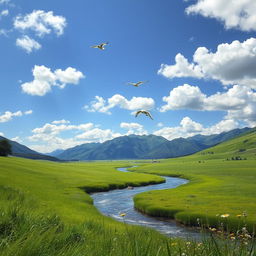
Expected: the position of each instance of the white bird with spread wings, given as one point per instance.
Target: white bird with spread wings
(138, 83)
(145, 112)
(100, 46)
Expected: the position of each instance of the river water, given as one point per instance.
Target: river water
(117, 201)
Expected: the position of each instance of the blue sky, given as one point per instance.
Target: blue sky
(198, 58)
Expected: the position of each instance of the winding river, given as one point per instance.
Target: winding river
(117, 201)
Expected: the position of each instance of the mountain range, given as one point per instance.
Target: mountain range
(130, 147)
(145, 147)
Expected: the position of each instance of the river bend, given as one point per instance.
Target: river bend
(117, 201)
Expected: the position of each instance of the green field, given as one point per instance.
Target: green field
(218, 185)
(45, 209)
(61, 187)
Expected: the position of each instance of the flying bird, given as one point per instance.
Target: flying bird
(100, 46)
(143, 112)
(137, 84)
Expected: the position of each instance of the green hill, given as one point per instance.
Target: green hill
(242, 146)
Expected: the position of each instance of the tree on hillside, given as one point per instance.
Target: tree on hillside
(5, 148)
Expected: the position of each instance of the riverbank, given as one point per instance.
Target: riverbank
(120, 202)
(219, 193)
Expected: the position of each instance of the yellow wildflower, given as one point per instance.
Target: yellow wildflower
(224, 215)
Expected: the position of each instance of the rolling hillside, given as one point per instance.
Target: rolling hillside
(242, 146)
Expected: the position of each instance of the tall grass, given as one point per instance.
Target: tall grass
(24, 233)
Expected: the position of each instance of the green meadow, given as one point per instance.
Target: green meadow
(46, 209)
(60, 187)
(221, 191)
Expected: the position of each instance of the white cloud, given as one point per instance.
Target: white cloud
(232, 63)
(234, 14)
(2, 134)
(98, 135)
(61, 122)
(184, 96)
(49, 144)
(182, 68)
(239, 102)
(41, 23)
(50, 137)
(68, 76)
(17, 139)
(133, 128)
(57, 127)
(8, 116)
(103, 106)
(4, 13)
(28, 44)
(223, 126)
(44, 79)
(188, 128)
(28, 112)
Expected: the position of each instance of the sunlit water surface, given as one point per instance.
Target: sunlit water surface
(117, 201)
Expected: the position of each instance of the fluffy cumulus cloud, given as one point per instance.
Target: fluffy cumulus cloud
(239, 102)
(234, 14)
(98, 135)
(182, 97)
(51, 135)
(41, 23)
(1, 134)
(133, 128)
(182, 68)
(188, 128)
(117, 100)
(232, 63)
(45, 79)
(56, 127)
(8, 115)
(28, 44)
